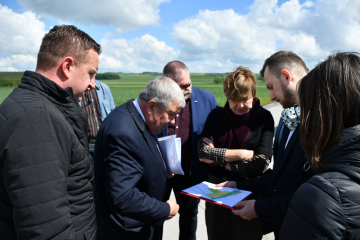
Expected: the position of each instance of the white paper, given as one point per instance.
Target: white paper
(222, 195)
(171, 149)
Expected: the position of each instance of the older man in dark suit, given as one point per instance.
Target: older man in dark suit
(281, 71)
(130, 173)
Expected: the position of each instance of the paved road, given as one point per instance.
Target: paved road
(171, 227)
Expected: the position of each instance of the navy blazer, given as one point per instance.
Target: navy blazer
(202, 103)
(130, 177)
(278, 185)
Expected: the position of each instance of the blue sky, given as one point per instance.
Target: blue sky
(208, 35)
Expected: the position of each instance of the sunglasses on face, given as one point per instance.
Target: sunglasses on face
(185, 86)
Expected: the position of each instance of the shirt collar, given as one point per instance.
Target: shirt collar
(139, 109)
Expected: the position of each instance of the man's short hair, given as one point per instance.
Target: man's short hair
(240, 85)
(281, 60)
(163, 91)
(62, 41)
(174, 69)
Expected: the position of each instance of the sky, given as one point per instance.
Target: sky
(209, 36)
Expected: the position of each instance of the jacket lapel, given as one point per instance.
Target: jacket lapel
(152, 144)
(281, 153)
(194, 109)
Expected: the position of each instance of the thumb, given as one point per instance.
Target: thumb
(239, 205)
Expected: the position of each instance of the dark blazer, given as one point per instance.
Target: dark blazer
(202, 102)
(130, 178)
(278, 185)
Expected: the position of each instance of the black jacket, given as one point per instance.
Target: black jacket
(328, 205)
(279, 185)
(46, 172)
(130, 178)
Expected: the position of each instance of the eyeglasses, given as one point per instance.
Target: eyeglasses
(185, 86)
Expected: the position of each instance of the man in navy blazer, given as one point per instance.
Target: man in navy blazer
(281, 71)
(130, 173)
(188, 125)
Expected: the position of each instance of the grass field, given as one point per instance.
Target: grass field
(130, 85)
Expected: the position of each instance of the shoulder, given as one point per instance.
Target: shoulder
(318, 203)
(120, 120)
(216, 112)
(201, 92)
(103, 85)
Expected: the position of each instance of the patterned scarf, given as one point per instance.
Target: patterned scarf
(291, 117)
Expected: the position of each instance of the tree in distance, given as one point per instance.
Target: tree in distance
(107, 76)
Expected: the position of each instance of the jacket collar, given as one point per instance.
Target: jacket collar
(147, 135)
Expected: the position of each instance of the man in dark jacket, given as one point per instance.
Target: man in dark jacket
(188, 125)
(281, 71)
(46, 173)
(130, 172)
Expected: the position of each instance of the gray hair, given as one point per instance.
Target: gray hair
(163, 91)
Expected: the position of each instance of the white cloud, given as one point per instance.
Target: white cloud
(136, 55)
(20, 39)
(311, 29)
(122, 14)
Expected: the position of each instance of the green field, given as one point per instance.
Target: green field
(130, 85)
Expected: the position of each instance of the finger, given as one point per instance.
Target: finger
(237, 212)
(223, 184)
(207, 141)
(239, 204)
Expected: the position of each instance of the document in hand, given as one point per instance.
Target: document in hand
(171, 149)
(223, 196)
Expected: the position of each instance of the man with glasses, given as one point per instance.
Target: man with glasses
(188, 125)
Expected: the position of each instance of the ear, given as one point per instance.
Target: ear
(150, 107)
(286, 75)
(67, 66)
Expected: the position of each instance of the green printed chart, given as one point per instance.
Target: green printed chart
(219, 194)
(224, 196)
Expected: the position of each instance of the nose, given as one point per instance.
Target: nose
(172, 121)
(92, 83)
(272, 96)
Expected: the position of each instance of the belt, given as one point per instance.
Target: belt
(92, 140)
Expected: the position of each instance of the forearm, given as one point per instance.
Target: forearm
(232, 155)
(249, 167)
(215, 154)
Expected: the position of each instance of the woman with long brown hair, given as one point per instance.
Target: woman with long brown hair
(327, 206)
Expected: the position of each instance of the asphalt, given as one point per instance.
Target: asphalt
(171, 227)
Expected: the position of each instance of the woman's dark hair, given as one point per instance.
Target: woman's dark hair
(330, 101)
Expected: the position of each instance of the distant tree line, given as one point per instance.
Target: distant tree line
(10, 79)
(9, 82)
(152, 73)
(107, 76)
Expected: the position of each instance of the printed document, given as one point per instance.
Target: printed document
(223, 196)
